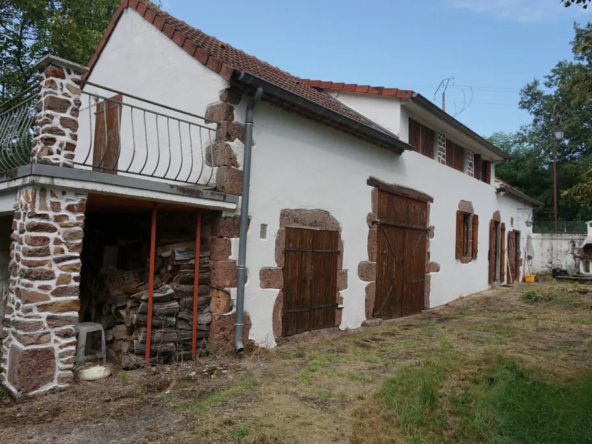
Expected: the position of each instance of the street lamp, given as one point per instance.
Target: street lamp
(557, 135)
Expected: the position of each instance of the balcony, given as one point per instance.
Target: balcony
(117, 134)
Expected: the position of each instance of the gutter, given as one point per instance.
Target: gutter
(244, 223)
(424, 103)
(274, 93)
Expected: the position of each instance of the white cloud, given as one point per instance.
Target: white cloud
(521, 10)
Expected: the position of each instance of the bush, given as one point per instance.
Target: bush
(536, 296)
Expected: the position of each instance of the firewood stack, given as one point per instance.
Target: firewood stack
(123, 300)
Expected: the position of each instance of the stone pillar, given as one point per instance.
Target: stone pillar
(231, 135)
(224, 276)
(42, 303)
(56, 124)
(441, 148)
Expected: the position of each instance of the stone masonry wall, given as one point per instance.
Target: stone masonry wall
(56, 123)
(441, 144)
(222, 155)
(42, 303)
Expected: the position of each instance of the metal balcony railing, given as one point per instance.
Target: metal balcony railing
(17, 117)
(127, 135)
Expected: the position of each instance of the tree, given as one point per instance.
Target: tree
(531, 163)
(583, 3)
(71, 29)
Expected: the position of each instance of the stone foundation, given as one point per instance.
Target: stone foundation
(42, 302)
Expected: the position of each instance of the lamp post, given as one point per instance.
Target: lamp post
(557, 135)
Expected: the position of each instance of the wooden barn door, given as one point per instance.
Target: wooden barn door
(310, 280)
(401, 256)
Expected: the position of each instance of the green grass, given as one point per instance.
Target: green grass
(563, 298)
(219, 397)
(503, 402)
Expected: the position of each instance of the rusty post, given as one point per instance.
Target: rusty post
(151, 282)
(196, 286)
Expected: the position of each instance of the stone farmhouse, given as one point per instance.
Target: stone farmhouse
(187, 195)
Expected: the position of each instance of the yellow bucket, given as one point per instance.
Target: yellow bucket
(529, 278)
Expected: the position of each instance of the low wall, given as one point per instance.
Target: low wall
(555, 251)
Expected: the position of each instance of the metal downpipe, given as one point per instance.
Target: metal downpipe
(244, 222)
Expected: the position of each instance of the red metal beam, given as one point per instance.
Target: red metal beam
(196, 286)
(151, 283)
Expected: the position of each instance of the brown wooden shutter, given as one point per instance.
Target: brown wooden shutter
(487, 166)
(475, 249)
(427, 142)
(459, 158)
(449, 153)
(477, 166)
(491, 251)
(503, 254)
(107, 144)
(415, 135)
(459, 234)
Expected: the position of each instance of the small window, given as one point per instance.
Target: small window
(485, 171)
(467, 236)
(586, 266)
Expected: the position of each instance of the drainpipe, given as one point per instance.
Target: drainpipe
(244, 222)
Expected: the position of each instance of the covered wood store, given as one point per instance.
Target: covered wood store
(133, 246)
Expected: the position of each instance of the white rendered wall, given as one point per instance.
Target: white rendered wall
(385, 111)
(139, 60)
(298, 164)
(556, 251)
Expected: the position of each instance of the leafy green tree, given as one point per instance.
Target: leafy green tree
(31, 28)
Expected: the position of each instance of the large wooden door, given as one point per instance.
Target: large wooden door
(310, 280)
(401, 256)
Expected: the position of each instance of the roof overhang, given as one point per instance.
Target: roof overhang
(518, 195)
(463, 134)
(292, 102)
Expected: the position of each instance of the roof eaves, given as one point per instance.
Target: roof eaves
(278, 95)
(447, 118)
(504, 187)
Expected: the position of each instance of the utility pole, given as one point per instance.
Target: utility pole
(443, 85)
(557, 135)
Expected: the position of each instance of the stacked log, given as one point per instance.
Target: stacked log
(124, 313)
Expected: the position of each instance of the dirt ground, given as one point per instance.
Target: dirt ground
(307, 390)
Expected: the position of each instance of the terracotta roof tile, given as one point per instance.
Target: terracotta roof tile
(219, 56)
(363, 89)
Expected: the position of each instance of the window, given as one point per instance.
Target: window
(422, 138)
(485, 171)
(467, 236)
(455, 156)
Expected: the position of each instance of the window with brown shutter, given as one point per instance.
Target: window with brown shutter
(485, 171)
(475, 245)
(467, 225)
(477, 166)
(455, 156)
(503, 253)
(422, 138)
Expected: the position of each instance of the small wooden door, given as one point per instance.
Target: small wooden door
(401, 256)
(310, 280)
(513, 256)
(107, 140)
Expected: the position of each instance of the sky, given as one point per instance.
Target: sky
(492, 48)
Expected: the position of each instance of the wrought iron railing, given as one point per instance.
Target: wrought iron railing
(127, 135)
(563, 226)
(17, 117)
